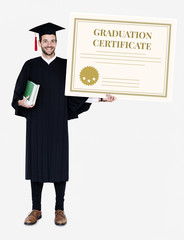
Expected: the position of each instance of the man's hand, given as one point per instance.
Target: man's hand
(24, 103)
(109, 98)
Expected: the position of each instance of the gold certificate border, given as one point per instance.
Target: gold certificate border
(168, 43)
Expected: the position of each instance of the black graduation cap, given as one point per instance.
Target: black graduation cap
(47, 28)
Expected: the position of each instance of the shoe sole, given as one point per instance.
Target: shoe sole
(60, 224)
(33, 223)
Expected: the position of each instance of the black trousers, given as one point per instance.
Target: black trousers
(36, 190)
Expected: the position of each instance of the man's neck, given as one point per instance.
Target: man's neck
(48, 60)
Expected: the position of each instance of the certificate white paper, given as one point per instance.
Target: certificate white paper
(127, 57)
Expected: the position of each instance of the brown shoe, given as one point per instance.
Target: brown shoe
(60, 217)
(33, 217)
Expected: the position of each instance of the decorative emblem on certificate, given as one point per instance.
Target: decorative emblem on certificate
(89, 75)
(127, 57)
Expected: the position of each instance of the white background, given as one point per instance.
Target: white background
(126, 158)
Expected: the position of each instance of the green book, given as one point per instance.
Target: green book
(31, 91)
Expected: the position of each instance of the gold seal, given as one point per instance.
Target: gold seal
(89, 75)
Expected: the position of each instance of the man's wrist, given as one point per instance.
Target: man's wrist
(100, 99)
(19, 102)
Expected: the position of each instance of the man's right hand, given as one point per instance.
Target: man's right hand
(24, 103)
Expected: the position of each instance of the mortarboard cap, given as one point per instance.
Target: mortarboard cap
(47, 28)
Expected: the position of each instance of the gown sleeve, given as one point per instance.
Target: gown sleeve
(76, 106)
(19, 91)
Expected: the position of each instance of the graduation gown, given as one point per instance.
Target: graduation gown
(47, 150)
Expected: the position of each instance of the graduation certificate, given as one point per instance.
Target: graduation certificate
(128, 57)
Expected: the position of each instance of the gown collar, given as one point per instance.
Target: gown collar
(50, 60)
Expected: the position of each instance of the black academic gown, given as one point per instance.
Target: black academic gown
(47, 122)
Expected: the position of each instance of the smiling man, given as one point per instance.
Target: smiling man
(48, 45)
(47, 122)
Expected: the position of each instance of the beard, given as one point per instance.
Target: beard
(46, 53)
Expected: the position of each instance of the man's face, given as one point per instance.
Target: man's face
(48, 44)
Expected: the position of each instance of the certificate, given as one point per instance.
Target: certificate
(128, 57)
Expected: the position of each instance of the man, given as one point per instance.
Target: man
(47, 122)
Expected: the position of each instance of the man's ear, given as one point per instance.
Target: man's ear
(39, 43)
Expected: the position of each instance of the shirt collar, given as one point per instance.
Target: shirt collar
(48, 61)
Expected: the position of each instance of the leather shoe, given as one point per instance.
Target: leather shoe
(33, 217)
(60, 217)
